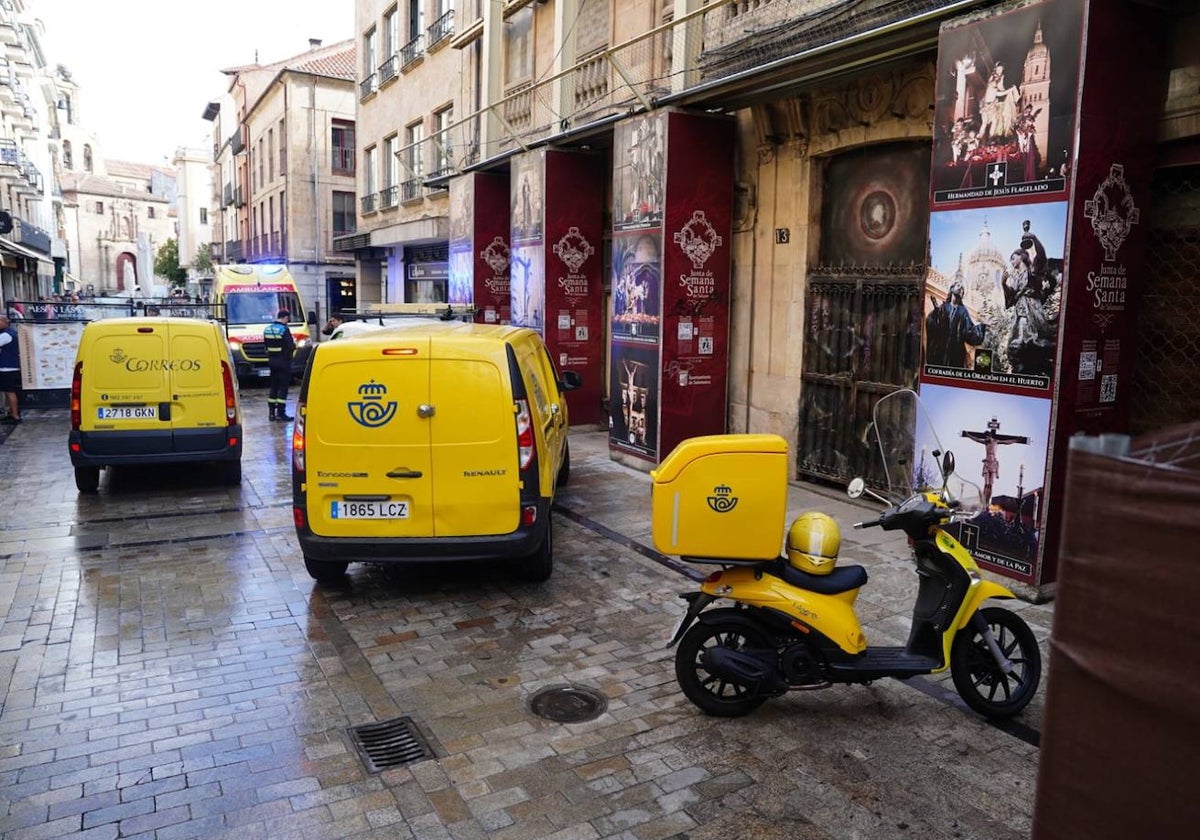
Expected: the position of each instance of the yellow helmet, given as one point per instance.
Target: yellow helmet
(813, 543)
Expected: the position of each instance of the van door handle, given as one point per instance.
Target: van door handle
(425, 410)
(164, 411)
(404, 474)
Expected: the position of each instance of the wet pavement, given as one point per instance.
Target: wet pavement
(169, 670)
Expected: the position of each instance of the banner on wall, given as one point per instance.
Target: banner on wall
(1021, 327)
(672, 210)
(527, 264)
(479, 250)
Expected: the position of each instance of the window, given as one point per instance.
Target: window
(68, 158)
(270, 155)
(283, 212)
(87, 157)
(368, 65)
(443, 147)
(368, 180)
(149, 212)
(414, 136)
(518, 61)
(391, 172)
(282, 149)
(100, 208)
(416, 18)
(342, 141)
(260, 163)
(343, 213)
(391, 33)
(203, 215)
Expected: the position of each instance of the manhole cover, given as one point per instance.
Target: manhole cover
(389, 744)
(568, 703)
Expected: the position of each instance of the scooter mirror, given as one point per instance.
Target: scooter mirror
(856, 488)
(947, 465)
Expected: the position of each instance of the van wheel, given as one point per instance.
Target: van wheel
(87, 479)
(233, 472)
(564, 469)
(325, 571)
(538, 566)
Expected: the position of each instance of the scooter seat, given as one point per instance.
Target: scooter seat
(841, 579)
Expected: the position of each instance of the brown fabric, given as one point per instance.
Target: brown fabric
(1121, 734)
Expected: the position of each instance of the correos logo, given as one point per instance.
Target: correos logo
(371, 410)
(136, 365)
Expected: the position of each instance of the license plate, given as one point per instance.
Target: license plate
(263, 372)
(369, 510)
(136, 412)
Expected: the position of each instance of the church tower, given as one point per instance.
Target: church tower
(1035, 91)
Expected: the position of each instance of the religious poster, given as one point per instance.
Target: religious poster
(1007, 436)
(993, 294)
(671, 244)
(574, 230)
(1004, 113)
(478, 247)
(527, 266)
(1022, 325)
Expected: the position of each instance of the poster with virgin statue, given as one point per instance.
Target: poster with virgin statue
(1005, 103)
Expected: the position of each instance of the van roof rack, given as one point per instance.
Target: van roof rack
(444, 311)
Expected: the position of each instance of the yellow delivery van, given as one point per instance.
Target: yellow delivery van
(153, 391)
(427, 442)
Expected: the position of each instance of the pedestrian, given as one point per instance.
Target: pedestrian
(10, 370)
(335, 321)
(280, 348)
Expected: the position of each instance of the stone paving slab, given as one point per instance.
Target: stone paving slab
(169, 670)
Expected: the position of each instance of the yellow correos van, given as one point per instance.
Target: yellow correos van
(428, 442)
(150, 391)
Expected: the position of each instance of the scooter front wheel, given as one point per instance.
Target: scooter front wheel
(978, 677)
(712, 694)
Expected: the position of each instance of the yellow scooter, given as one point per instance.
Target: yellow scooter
(792, 623)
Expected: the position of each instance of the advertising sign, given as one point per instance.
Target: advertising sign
(527, 264)
(479, 251)
(1027, 335)
(672, 210)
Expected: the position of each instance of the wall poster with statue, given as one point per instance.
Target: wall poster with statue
(1037, 185)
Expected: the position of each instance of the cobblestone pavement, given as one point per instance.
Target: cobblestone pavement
(169, 670)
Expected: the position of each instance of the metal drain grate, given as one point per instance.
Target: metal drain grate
(389, 744)
(568, 703)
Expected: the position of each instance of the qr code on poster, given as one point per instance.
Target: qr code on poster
(1108, 388)
(1087, 365)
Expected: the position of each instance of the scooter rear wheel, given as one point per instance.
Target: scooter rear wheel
(979, 679)
(715, 695)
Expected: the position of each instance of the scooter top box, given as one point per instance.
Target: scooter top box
(721, 497)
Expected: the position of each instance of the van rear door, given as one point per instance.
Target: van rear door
(476, 476)
(367, 430)
(125, 387)
(197, 389)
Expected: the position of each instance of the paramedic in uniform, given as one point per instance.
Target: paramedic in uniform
(280, 347)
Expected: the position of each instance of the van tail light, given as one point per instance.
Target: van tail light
(298, 439)
(230, 395)
(525, 441)
(77, 396)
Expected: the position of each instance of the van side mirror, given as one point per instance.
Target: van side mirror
(570, 380)
(312, 318)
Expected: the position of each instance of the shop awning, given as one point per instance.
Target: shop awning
(22, 251)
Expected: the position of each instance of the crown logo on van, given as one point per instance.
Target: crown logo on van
(722, 500)
(371, 411)
(117, 356)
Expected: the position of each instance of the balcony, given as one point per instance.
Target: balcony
(342, 162)
(239, 197)
(366, 87)
(227, 196)
(412, 52)
(370, 202)
(441, 29)
(387, 70)
(410, 190)
(233, 250)
(216, 252)
(237, 143)
(387, 198)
